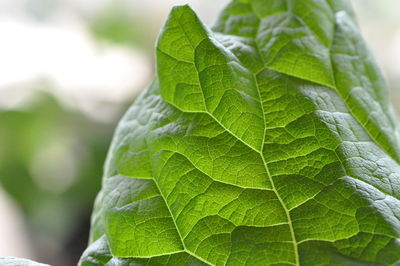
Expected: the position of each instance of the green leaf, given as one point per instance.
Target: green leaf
(12, 261)
(98, 253)
(267, 140)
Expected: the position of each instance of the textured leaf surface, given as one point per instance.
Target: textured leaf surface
(267, 140)
(12, 261)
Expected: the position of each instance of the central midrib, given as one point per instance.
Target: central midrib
(260, 152)
(289, 220)
(295, 245)
(295, 248)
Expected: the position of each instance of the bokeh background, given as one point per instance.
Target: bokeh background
(68, 70)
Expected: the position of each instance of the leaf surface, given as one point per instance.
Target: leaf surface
(12, 261)
(266, 140)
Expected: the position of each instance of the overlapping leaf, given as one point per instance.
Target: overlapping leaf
(12, 261)
(267, 140)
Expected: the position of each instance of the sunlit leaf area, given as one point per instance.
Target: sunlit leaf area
(70, 70)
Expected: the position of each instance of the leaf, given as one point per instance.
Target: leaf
(12, 261)
(267, 140)
(99, 254)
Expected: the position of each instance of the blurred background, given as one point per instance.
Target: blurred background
(68, 70)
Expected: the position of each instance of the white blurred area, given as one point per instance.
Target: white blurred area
(48, 42)
(80, 71)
